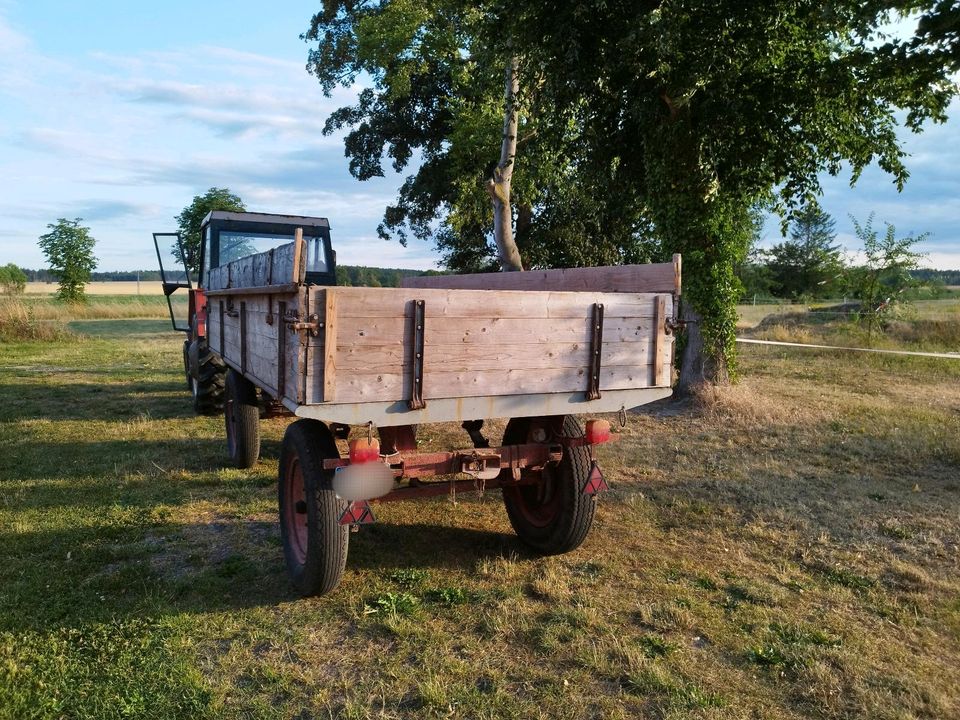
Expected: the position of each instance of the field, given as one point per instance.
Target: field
(786, 548)
(145, 287)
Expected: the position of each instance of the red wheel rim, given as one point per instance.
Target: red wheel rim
(538, 504)
(295, 521)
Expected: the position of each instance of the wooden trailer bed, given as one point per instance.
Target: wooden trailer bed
(446, 348)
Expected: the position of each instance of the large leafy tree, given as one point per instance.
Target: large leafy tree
(809, 262)
(189, 220)
(69, 250)
(448, 93)
(673, 115)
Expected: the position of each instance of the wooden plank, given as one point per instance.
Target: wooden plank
(301, 369)
(281, 349)
(677, 263)
(329, 345)
(243, 337)
(463, 357)
(655, 278)
(659, 335)
(255, 290)
(490, 331)
(392, 302)
(362, 387)
(297, 254)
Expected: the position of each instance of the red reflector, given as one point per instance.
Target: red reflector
(358, 512)
(595, 481)
(364, 450)
(598, 431)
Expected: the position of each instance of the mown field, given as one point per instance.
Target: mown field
(787, 548)
(114, 287)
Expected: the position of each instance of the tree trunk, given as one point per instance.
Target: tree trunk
(499, 185)
(698, 366)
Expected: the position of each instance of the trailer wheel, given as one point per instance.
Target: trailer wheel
(314, 543)
(242, 415)
(553, 516)
(207, 387)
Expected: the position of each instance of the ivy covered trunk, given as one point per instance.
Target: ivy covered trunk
(711, 228)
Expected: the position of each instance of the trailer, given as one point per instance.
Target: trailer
(271, 332)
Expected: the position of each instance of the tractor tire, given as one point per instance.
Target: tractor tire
(186, 364)
(208, 387)
(554, 516)
(241, 413)
(315, 544)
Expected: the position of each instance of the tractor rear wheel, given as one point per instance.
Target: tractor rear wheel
(207, 387)
(555, 515)
(186, 364)
(314, 542)
(242, 414)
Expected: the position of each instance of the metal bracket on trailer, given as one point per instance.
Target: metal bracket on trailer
(596, 343)
(416, 367)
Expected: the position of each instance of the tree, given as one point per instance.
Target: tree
(879, 283)
(192, 216)
(69, 250)
(449, 90)
(668, 117)
(809, 264)
(13, 281)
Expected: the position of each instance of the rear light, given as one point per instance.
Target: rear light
(364, 450)
(598, 431)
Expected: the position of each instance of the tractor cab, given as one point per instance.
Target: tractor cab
(228, 236)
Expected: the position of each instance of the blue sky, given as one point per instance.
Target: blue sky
(121, 112)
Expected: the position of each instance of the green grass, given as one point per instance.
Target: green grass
(782, 549)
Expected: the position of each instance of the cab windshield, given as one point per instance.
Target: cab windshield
(237, 244)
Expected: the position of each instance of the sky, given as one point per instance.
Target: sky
(120, 113)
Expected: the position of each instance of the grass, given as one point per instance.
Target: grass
(784, 549)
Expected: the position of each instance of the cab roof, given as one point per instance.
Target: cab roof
(298, 220)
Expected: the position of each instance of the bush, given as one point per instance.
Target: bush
(13, 281)
(18, 322)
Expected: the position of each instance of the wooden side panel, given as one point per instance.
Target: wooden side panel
(482, 343)
(652, 278)
(273, 267)
(257, 349)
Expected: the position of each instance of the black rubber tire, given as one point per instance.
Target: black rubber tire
(186, 364)
(241, 413)
(208, 387)
(316, 554)
(557, 520)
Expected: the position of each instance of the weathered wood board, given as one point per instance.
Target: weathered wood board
(480, 343)
(653, 277)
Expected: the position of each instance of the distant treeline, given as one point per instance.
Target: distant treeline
(947, 277)
(349, 275)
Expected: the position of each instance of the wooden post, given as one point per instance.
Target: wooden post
(329, 345)
(297, 253)
(659, 336)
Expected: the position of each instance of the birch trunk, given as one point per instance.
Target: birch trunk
(499, 185)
